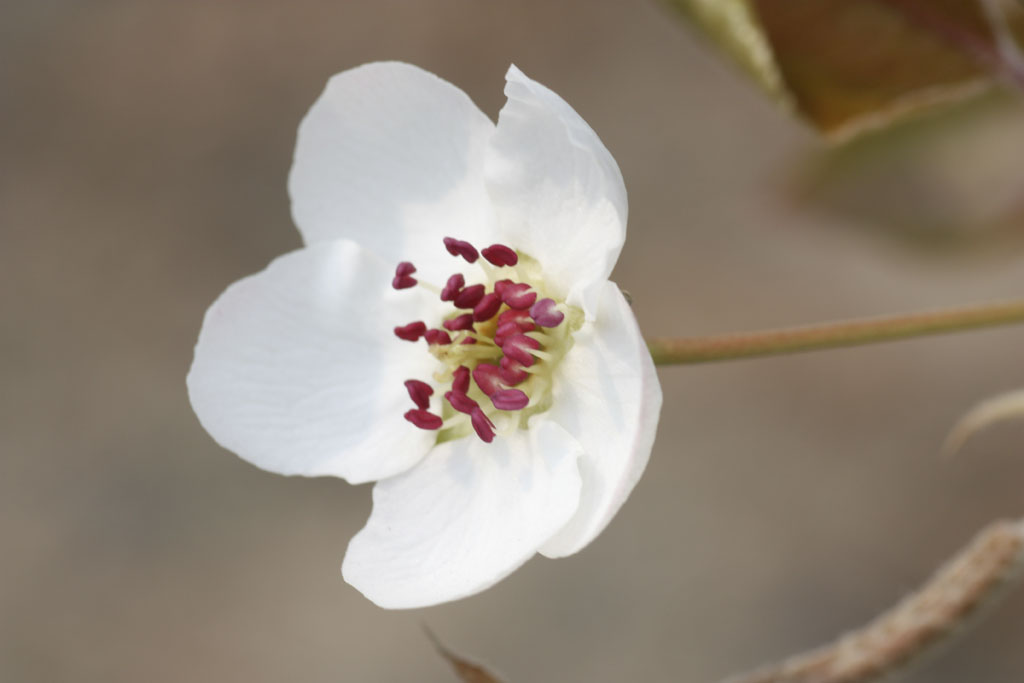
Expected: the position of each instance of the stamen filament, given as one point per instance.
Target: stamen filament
(490, 272)
(456, 350)
(482, 339)
(456, 420)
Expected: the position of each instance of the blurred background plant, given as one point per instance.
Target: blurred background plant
(145, 150)
(908, 86)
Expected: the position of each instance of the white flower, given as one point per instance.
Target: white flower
(299, 369)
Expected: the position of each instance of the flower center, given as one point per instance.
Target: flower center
(497, 350)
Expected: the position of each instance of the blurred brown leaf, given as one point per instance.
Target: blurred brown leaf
(852, 65)
(467, 671)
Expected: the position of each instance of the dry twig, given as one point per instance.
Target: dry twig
(942, 609)
(467, 671)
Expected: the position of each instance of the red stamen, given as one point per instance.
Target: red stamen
(500, 285)
(520, 318)
(403, 282)
(545, 314)
(518, 349)
(483, 425)
(437, 337)
(500, 255)
(460, 379)
(487, 378)
(459, 322)
(424, 419)
(402, 273)
(461, 402)
(525, 313)
(511, 371)
(518, 295)
(469, 297)
(411, 332)
(510, 399)
(459, 248)
(453, 287)
(504, 331)
(419, 392)
(487, 308)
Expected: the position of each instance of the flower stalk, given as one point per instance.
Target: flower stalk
(690, 350)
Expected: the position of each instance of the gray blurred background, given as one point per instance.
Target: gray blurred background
(144, 148)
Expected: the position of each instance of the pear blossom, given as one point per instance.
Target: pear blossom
(448, 331)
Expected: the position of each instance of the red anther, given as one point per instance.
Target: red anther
(411, 332)
(487, 378)
(469, 297)
(460, 379)
(500, 285)
(545, 314)
(402, 273)
(419, 392)
(511, 372)
(520, 318)
(459, 322)
(461, 402)
(437, 337)
(487, 308)
(453, 287)
(518, 295)
(518, 349)
(504, 331)
(468, 340)
(424, 419)
(500, 255)
(510, 399)
(459, 248)
(482, 425)
(403, 282)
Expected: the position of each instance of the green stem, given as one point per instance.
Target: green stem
(687, 350)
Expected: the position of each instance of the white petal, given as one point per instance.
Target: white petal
(558, 192)
(391, 156)
(466, 516)
(606, 395)
(297, 369)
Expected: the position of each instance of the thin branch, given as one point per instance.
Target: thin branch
(945, 607)
(987, 413)
(687, 350)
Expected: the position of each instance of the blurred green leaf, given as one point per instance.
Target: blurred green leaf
(853, 65)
